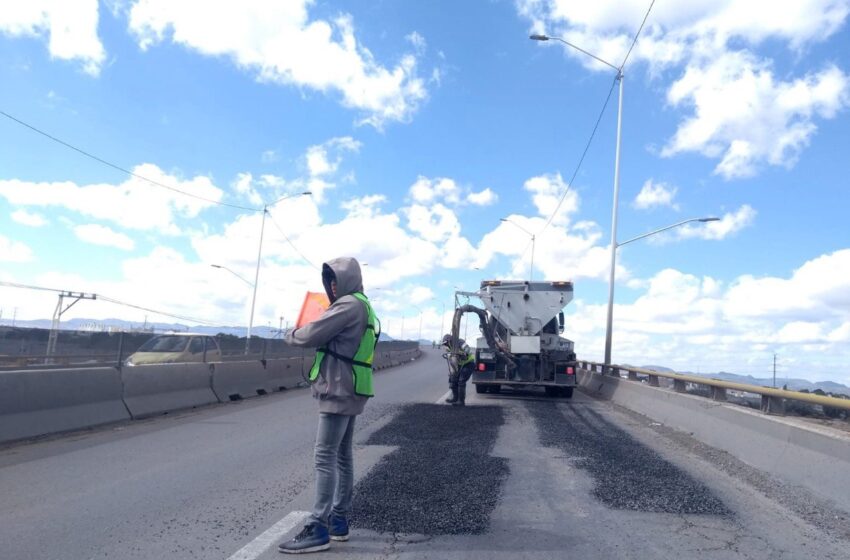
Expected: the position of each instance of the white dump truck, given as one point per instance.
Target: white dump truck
(520, 344)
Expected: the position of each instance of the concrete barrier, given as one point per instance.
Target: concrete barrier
(285, 373)
(816, 457)
(239, 380)
(38, 402)
(160, 388)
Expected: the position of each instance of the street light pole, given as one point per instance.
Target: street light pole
(259, 257)
(614, 247)
(233, 272)
(610, 320)
(256, 280)
(619, 78)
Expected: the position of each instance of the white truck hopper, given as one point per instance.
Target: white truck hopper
(523, 308)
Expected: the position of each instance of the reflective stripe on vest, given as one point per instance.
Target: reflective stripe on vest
(361, 363)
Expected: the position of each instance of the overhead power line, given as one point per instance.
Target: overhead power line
(634, 41)
(122, 169)
(581, 159)
(291, 244)
(596, 126)
(112, 300)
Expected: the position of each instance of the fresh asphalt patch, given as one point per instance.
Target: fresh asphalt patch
(627, 474)
(441, 480)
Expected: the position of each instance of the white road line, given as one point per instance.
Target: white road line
(255, 548)
(442, 399)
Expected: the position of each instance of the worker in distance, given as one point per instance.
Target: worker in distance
(461, 364)
(344, 336)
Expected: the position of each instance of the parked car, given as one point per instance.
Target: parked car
(176, 348)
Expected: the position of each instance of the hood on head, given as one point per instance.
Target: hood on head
(346, 271)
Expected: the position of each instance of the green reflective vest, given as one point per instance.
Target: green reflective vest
(361, 363)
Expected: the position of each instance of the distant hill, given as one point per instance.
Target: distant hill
(793, 384)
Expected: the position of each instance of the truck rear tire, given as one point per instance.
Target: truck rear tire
(479, 388)
(567, 392)
(495, 388)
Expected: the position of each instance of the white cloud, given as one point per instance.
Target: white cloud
(547, 192)
(482, 198)
(426, 190)
(133, 204)
(244, 185)
(820, 288)
(418, 41)
(323, 161)
(32, 219)
(71, 27)
(364, 207)
(798, 332)
(745, 116)
(280, 43)
(687, 322)
(97, 234)
(269, 156)
(14, 251)
(742, 114)
(419, 294)
(436, 223)
(652, 195)
(730, 224)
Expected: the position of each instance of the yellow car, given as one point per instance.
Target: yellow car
(176, 348)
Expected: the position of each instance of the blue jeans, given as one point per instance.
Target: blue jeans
(334, 466)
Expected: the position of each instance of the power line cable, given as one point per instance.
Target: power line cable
(634, 41)
(172, 315)
(598, 120)
(581, 159)
(119, 168)
(110, 300)
(291, 244)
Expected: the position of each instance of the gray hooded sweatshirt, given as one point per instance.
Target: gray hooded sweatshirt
(339, 329)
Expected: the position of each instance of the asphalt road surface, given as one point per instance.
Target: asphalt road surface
(510, 476)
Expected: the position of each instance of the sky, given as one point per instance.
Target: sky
(417, 127)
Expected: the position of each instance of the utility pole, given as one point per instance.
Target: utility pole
(57, 317)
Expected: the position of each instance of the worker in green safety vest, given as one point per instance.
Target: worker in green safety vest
(461, 365)
(341, 378)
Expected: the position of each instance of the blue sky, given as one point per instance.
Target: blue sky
(417, 126)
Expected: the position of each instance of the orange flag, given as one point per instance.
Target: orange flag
(314, 305)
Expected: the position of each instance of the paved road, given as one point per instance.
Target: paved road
(570, 479)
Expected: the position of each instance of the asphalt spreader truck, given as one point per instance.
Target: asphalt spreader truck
(520, 344)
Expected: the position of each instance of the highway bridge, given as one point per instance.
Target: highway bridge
(622, 470)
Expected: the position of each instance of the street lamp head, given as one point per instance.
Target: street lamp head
(306, 193)
(709, 219)
(537, 37)
(504, 220)
(215, 265)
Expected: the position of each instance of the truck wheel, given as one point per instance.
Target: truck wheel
(567, 392)
(495, 388)
(479, 388)
(551, 391)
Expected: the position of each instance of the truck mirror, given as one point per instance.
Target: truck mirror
(561, 322)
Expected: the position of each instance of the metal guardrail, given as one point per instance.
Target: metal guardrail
(772, 399)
